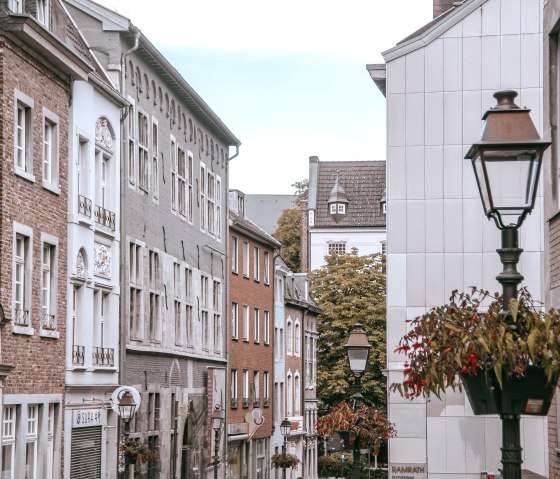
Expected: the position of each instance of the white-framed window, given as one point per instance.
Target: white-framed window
(234, 255)
(289, 337)
(234, 320)
(16, 6)
(9, 428)
(234, 388)
(332, 208)
(155, 164)
(218, 207)
(266, 327)
(189, 305)
(337, 247)
(266, 387)
(43, 12)
(103, 356)
(256, 387)
(182, 181)
(190, 174)
(49, 275)
(256, 263)
(245, 388)
(217, 306)
(50, 151)
(289, 394)
(297, 394)
(131, 141)
(51, 427)
(135, 258)
(23, 136)
(204, 310)
(245, 322)
(256, 325)
(82, 173)
(341, 208)
(211, 203)
(266, 261)
(246, 259)
(297, 338)
(102, 166)
(154, 282)
(177, 305)
(143, 155)
(174, 168)
(203, 205)
(31, 440)
(22, 271)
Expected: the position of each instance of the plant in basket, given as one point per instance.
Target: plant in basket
(137, 450)
(463, 344)
(284, 461)
(367, 427)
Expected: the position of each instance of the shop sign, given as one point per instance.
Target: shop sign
(237, 428)
(409, 471)
(87, 418)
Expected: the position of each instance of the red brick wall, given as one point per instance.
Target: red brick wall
(247, 354)
(554, 235)
(554, 459)
(39, 362)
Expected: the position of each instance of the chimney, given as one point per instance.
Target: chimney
(441, 6)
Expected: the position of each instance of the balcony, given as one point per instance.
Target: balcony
(21, 318)
(78, 353)
(245, 402)
(104, 217)
(103, 356)
(256, 402)
(234, 403)
(84, 206)
(48, 322)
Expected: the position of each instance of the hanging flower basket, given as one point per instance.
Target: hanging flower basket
(531, 394)
(136, 450)
(507, 370)
(284, 461)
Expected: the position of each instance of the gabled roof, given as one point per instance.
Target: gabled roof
(364, 184)
(249, 228)
(433, 29)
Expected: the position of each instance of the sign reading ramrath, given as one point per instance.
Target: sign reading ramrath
(409, 471)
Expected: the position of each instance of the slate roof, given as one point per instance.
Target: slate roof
(364, 183)
(265, 210)
(250, 228)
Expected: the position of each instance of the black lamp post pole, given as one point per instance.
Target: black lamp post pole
(284, 454)
(510, 278)
(356, 470)
(216, 451)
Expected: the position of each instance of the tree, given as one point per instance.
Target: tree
(289, 227)
(350, 289)
(289, 234)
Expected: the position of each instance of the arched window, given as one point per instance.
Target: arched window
(289, 394)
(297, 395)
(297, 338)
(289, 337)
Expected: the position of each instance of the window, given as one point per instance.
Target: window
(234, 320)
(266, 388)
(218, 207)
(211, 205)
(16, 6)
(177, 304)
(189, 305)
(23, 141)
(155, 168)
(289, 394)
(256, 389)
(309, 361)
(245, 388)
(297, 338)
(48, 287)
(8, 442)
(297, 395)
(182, 181)
(154, 278)
(384, 247)
(246, 259)
(245, 322)
(43, 12)
(50, 151)
(217, 305)
(31, 441)
(131, 142)
(289, 337)
(135, 291)
(22, 277)
(154, 426)
(341, 208)
(337, 248)
(266, 327)
(84, 202)
(77, 346)
(190, 186)
(204, 310)
(174, 168)
(102, 356)
(234, 255)
(256, 264)
(257, 325)
(234, 396)
(203, 206)
(332, 208)
(143, 161)
(266, 267)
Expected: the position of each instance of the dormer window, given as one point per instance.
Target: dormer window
(43, 12)
(383, 202)
(338, 201)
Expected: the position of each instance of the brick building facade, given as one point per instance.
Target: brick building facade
(251, 345)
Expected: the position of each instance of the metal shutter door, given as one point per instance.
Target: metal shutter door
(85, 456)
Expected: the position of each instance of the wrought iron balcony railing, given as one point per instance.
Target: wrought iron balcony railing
(104, 217)
(84, 206)
(48, 322)
(22, 318)
(78, 353)
(103, 356)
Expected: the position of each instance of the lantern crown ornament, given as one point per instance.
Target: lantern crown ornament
(507, 161)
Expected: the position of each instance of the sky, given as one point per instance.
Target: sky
(288, 78)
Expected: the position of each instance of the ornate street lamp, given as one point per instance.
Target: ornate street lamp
(507, 161)
(357, 349)
(285, 428)
(127, 409)
(217, 425)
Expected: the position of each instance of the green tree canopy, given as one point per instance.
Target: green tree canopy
(289, 234)
(350, 289)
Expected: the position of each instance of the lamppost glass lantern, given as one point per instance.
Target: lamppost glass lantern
(285, 427)
(357, 349)
(217, 418)
(127, 408)
(507, 161)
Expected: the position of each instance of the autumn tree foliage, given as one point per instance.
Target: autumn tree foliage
(350, 289)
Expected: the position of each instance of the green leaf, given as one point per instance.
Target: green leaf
(498, 371)
(513, 309)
